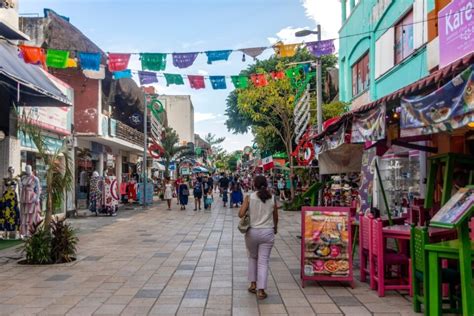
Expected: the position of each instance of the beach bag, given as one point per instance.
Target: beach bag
(244, 223)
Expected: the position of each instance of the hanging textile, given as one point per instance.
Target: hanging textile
(259, 80)
(90, 61)
(217, 55)
(33, 55)
(147, 77)
(253, 52)
(321, 48)
(118, 62)
(71, 63)
(127, 73)
(184, 60)
(173, 79)
(196, 82)
(276, 75)
(294, 72)
(218, 82)
(153, 61)
(283, 50)
(57, 58)
(306, 68)
(448, 108)
(240, 82)
(369, 125)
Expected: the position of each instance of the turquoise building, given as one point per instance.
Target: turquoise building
(384, 46)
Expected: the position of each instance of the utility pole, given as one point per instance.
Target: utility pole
(145, 147)
(319, 88)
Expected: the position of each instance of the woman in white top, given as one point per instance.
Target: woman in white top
(168, 192)
(259, 239)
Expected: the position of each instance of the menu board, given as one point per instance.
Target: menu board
(326, 244)
(454, 211)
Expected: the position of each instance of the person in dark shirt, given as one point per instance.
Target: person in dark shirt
(224, 186)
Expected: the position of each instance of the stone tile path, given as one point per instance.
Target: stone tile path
(159, 262)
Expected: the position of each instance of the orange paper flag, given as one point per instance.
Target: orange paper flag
(283, 50)
(33, 55)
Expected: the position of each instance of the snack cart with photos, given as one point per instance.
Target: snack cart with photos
(326, 244)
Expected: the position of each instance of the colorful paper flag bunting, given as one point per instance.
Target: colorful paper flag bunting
(240, 82)
(33, 55)
(118, 62)
(71, 63)
(321, 48)
(306, 68)
(276, 75)
(123, 74)
(218, 82)
(184, 60)
(253, 52)
(259, 80)
(153, 61)
(217, 55)
(196, 82)
(173, 79)
(283, 50)
(90, 61)
(57, 58)
(147, 77)
(293, 72)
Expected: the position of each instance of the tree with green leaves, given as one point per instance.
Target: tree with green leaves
(58, 163)
(171, 148)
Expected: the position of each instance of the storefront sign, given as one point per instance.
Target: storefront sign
(326, 244)
(52, 144)
(369, 126)
(456, 31)
(54, 119)
(455, 209)
(448, 108)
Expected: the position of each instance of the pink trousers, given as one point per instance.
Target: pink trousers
(259, 243)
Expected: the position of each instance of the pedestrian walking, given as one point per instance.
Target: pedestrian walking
(183, 194)
(197, 193)
(259, 238)
(281, 188)
(168, 195)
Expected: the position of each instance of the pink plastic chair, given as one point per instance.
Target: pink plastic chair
(471, 224)
(382, 262)
(364, 244)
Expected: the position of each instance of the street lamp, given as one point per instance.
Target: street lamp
(319, 82)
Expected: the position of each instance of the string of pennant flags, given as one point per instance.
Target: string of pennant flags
(154, 64)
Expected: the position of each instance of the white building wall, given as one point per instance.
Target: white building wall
(384, 52)
(180, 113)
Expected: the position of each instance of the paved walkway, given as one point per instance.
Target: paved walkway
(160, 262)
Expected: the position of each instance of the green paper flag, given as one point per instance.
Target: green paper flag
(57, 58)
(153, 61)
(241, 82)
(173, 79)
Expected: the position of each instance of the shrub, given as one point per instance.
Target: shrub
(37, 247)
(63, 242)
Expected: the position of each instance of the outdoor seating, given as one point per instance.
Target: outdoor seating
(364, 246)
(420, 279)
(386, 266)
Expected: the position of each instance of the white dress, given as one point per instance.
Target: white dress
(168, 191)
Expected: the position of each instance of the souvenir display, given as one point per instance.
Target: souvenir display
(326, 246)
(342, 191)
(111, 196)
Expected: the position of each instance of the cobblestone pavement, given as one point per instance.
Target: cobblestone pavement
(160, 262)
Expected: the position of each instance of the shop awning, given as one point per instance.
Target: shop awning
(36, 89)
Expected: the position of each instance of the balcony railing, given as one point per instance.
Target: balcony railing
(129, 134)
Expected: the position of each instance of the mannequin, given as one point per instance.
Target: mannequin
(95, 193)
(9, 211)
(30, 201)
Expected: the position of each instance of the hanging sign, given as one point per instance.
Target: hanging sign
(326, 244)
(369, 126)
(448, 108)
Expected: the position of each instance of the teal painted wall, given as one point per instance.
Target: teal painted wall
(352, 47)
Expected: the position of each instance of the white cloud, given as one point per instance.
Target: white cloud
(199, 117)
(203, 72)
(287, 36)
(327, 13)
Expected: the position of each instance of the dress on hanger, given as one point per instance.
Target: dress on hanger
(30, 203)
(9, 211)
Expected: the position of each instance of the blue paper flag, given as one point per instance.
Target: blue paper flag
(217, 55)
(127, 73)
(147, 77)
(306, 68)
(90, 61)
(218, 82)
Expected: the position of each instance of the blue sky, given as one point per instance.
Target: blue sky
(195, 25)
